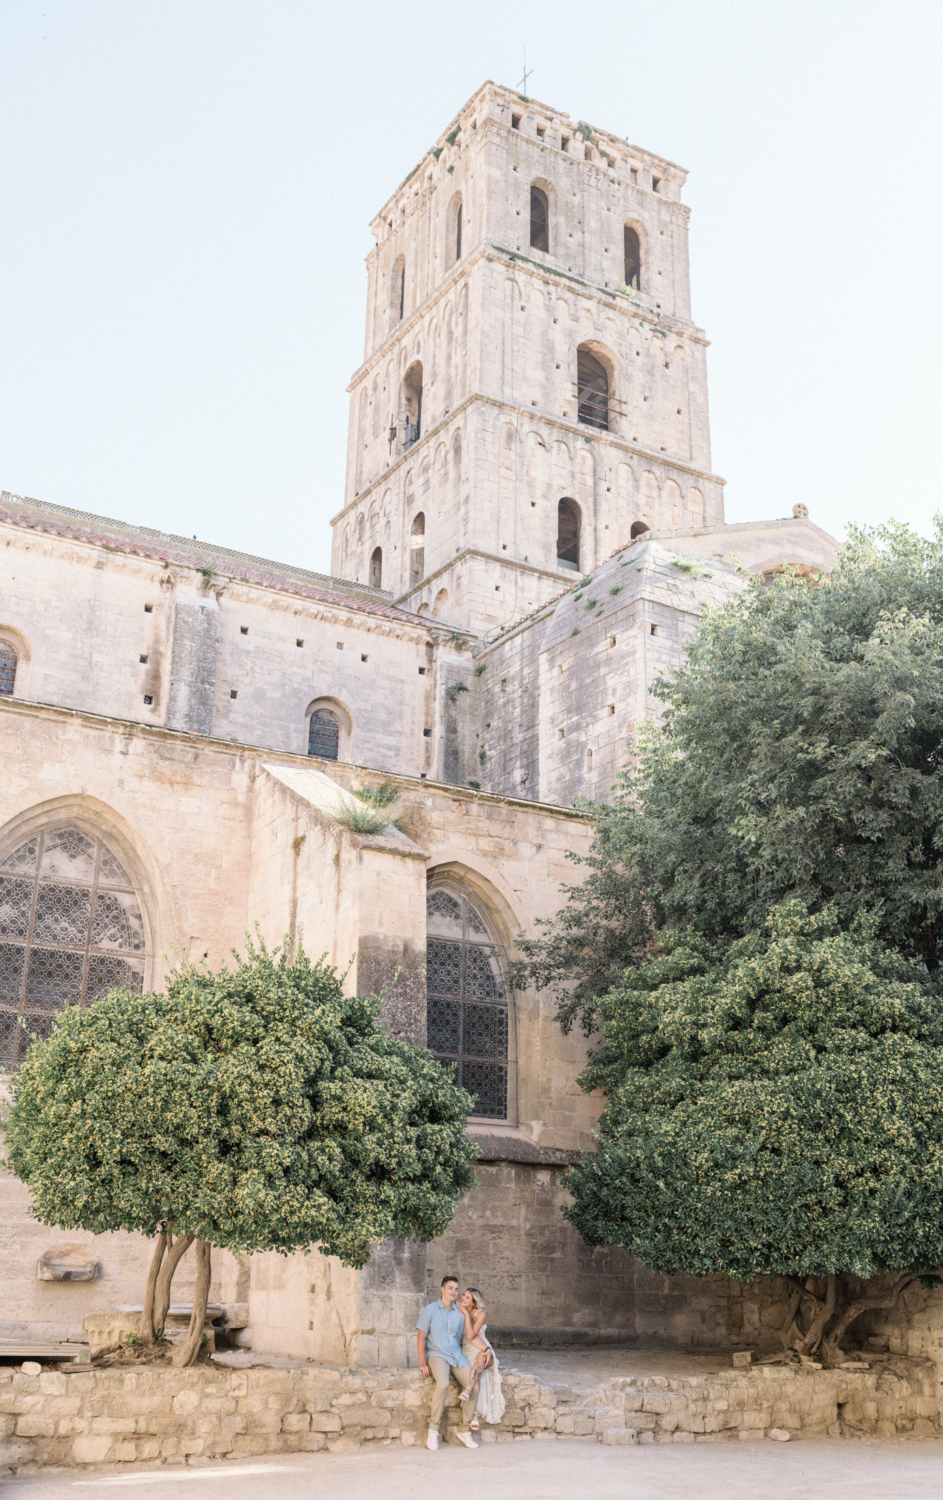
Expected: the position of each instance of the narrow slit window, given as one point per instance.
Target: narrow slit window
(376, 568)
(568, 535)
(633, 258)
(539, 220)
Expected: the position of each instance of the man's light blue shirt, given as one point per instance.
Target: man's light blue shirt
(443, 1327)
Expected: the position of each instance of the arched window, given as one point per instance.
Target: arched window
(539, 220)
(324, 734)
(568, 535)
(70, 931)
(8, 661)
(466, 1000)
(441, 600)
(417, 549)
(458, 233)
(639, 528)
(398, 289)
(633, 258)
(376, 567)
(592, 390)
(412, 405)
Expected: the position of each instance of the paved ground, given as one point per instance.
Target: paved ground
(842, 1470)
(583, 1369)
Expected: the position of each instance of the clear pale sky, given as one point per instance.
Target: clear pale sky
(186, 189)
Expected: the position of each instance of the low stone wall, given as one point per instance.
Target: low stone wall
(192, 1416)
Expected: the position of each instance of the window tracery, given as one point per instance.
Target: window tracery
(8, 661)
(324, 734)
(70, 930)
(466, 1000)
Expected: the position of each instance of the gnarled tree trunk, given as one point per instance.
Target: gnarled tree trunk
(178, 1249)
(190, 1348)
(832, 1354)
(150, 1288)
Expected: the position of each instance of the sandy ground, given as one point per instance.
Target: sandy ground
(840, 1469)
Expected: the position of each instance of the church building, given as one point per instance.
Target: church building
(530, 531)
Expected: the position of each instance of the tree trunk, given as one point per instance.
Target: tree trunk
(147, 1313)
(187, 1352)
(792, 1311)
(832, 1354)
(824, 1310)
(175, 1254)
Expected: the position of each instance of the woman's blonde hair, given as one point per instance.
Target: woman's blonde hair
(477, 1298)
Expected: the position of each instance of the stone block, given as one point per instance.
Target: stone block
(124, 1453)
(364, 1416)
(185, 1403)
(513, 1418)
(327, 1421)
(541, 1417)
(343, 1445)
(299, 1421)
(575, 1423)
(619, 1437)
(34, 1427)
(90, 1449)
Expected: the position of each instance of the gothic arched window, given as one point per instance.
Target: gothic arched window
(466, 1000)
(539, 220)
(324, 734)
(70, 931)
(568, 535)
(8, 660)
(633, 258)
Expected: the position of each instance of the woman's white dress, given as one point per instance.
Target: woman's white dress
(490, 1398)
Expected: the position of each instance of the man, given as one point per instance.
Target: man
(439, 1335)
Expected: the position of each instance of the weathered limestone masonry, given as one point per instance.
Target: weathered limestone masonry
(192, 1416)
(472, 335)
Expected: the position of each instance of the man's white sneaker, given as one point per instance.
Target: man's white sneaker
(464, 1436)
(432, 1441)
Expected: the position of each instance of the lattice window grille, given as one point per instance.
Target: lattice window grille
(70, 931)
(467, 1002)
(324, 734)
(8, 660)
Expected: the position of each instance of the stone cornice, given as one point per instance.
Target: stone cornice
(24, 708)
(534, 413)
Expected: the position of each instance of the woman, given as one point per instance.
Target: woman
(486, 1374)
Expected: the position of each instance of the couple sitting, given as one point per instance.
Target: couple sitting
(451, 1340)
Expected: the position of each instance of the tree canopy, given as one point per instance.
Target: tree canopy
(255, 1108)
(799, 754)
(775, 1107)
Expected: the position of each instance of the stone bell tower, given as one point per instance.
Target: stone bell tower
(533, 392)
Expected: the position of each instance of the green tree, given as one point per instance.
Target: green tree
(257, 1108)
(800, 753)
(775, 1108)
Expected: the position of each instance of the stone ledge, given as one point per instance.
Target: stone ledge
(158, 1414)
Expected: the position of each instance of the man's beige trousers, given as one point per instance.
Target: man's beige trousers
(441, 1371)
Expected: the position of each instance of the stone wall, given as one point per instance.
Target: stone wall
(192, 1416)
(541, 1283)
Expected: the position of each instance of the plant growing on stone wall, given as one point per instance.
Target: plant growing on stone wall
(362, 819)
(257, 1108)
(775, 1108)
(452, 692)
